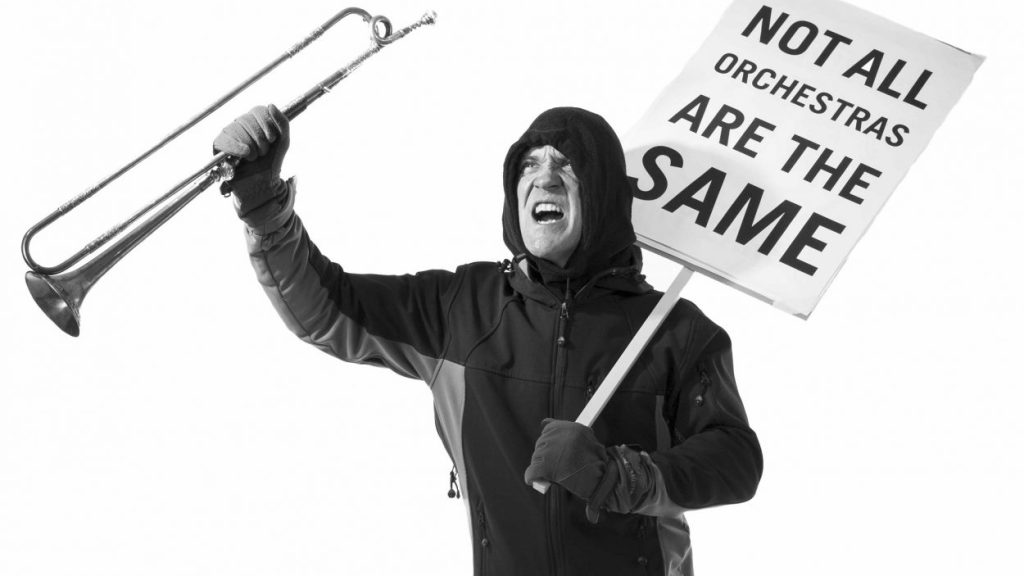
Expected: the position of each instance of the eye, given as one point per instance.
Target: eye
(528, 165)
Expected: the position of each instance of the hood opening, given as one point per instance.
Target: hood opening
(606, 199)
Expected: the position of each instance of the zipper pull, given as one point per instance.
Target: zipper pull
(482, 523)
(563, 316)
(705, 383)
(453, 486)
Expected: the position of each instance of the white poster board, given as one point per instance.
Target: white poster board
(765, 161)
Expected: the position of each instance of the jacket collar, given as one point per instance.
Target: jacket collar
(527, 281)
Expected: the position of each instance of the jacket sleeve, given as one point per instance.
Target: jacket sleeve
(715, 457)
(393, 321)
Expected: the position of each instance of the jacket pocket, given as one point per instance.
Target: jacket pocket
(703, 387)
(481, 541)
(648, 558)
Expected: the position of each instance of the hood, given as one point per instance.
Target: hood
(606, 199)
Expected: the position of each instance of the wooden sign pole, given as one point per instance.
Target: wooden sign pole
(618, 372)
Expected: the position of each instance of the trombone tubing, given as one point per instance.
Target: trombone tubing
(378, 41)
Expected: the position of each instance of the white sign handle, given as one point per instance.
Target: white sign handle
(618, 372)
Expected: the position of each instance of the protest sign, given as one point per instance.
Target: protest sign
(765, 161)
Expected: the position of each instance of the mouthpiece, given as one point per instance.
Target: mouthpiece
(427, 19)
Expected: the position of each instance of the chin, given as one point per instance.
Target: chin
(550, 247)
(550, 256)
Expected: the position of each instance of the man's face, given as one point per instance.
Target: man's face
(550, 218)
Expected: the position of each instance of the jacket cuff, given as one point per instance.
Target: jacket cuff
(656, 501)
(267, 212)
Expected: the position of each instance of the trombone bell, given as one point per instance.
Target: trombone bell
(56, 302)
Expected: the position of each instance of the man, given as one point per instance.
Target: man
(512, 352)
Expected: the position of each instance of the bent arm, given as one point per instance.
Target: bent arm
(715, 457)
(393, 321)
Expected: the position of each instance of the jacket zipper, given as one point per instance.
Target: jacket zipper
(554, 500)
(484, 541)
(642, 560)
(705, 383)
(563, 319)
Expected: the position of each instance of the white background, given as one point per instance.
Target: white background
(187, 432)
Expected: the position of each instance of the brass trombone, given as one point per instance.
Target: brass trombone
(59, 293)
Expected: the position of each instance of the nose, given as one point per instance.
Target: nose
(548, 177)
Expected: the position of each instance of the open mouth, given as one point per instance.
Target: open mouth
(547, 213)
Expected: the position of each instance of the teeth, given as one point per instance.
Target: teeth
(547, 212)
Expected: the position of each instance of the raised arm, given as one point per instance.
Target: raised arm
(394, 321)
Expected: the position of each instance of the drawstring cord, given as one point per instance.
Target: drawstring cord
(453, 485)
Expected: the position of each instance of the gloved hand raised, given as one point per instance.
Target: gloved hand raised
(614, 478)
(260, 139)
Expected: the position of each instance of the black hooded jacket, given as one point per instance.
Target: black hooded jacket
(504, 346)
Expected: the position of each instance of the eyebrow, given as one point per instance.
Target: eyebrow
(537, 155)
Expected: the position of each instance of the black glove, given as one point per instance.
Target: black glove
(615, 478)
(260, 140)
